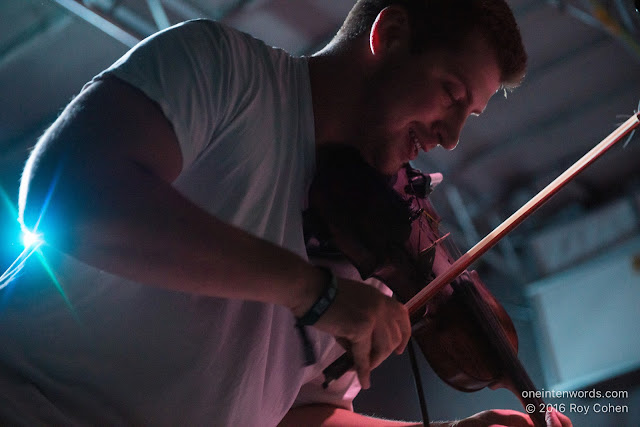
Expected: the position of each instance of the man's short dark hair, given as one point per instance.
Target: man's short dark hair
(449, 24)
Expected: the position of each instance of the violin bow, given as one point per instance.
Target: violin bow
(473, 254)
(342, 364)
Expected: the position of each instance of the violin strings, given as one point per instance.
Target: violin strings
(422, 215)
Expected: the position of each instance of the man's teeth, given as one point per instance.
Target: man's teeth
(416, 142)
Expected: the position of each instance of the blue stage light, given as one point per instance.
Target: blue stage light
(30, 239)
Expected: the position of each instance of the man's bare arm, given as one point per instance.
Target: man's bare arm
(110, 159)
(107, 164)
(331, 416)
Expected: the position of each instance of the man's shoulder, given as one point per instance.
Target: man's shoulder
(205, 24)
(218, 31)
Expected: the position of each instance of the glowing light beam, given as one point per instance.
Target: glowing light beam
(7, 201)
(32, 241)
(16, 266)
(56, 283)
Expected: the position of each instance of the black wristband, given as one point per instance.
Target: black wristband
(313, 314)
(323, 302)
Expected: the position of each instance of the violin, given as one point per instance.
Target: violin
(342, 200)
(387, 229)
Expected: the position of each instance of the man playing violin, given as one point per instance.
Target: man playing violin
(169, 193)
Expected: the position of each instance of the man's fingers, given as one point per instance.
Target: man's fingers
(361, 354)
(405, 331)
(374, 324)
(557, 419)
(381, 345)
(390, 334)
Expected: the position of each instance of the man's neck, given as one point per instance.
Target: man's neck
(336, 86)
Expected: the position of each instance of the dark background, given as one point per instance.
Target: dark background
(578, 249)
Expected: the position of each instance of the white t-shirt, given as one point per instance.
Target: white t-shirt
(105, 350)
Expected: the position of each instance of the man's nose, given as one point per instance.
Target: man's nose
(456, 123)
(450, 144)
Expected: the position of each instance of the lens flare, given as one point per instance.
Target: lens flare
(15, 267)
(32, 240)
(29, 239)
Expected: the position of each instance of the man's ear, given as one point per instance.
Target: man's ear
(390, 31)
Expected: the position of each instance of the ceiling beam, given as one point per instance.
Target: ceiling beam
(101, 21)
(27, 39)
(158, 13)
(129, 28)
